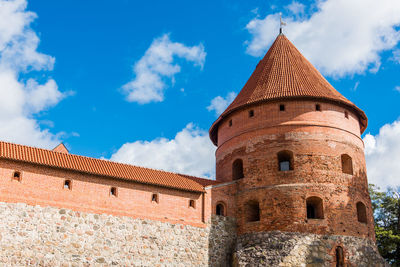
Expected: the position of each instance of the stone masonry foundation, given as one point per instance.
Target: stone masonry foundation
(295, 249)
(47, 236)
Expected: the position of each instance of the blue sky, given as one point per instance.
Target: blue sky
(90, 72)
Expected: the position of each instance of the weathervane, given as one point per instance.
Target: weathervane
(282, 23)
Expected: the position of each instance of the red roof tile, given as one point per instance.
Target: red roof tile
(101, 167)
(284, 73)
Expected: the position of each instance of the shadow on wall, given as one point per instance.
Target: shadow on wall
(222, 241)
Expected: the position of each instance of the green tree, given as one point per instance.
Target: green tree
(386, 208)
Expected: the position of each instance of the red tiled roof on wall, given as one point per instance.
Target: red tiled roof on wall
(101, 167)
(284, 74)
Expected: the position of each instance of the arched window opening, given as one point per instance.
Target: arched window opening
(315, 209)
(251, 113)
(361, 212)
(285, 159)
(17, 176)
(67, 184)
(113, 192)
(318, 107)
(220, 209)
(252, 211)
(347, 164)
(281, 107)
(237, 169)
(154, 198)
(346, 114)
(339, 257)
(192, 204)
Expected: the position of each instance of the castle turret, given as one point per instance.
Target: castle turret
(292, 146)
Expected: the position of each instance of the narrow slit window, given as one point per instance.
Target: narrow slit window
(154, 198)
(67, 184)
(361, 212)
(281, 107)
(113, 192)
(346, 114)
(339, 257)
(251, 113)
(192, 203)
(318, 107)
(17, 176)
(230, 123)
(220, 209)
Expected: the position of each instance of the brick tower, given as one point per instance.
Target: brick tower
(291, 153)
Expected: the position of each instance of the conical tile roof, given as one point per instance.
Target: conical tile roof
(284, 73)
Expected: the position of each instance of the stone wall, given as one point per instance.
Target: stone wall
(47, 236)
(296, 249)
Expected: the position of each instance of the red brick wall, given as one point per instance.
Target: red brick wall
(317, 140)
(44, 186)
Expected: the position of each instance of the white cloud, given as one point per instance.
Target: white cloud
(157, 66)
(219, 104)
(296, 8)
(341, 38)
(397, 88)
(22, 99)
(382, 153)
(396, 55)
(190, 152)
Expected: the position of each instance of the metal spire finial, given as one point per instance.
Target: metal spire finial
(282, 23)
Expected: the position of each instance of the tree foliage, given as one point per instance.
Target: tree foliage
(386, 208)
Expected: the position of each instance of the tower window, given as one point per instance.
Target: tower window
(220, 209)
(154, 198)
(315, 209)
(17, 176)
(192, 203)
(251, 113)
(285, 160)
(252, 211)
(113, 192)
(281, 107)
(318, 107)
(347, 164)
(67, 184)
(346, 114)
(237, 169)
(339, 257)
(230, 123)
(361, 212)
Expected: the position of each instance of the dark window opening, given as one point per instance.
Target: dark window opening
(67, 184)
(17, 176)
(154, 198)
(361, 212)
(347, 164)
(285, 160)
(346, 114)
(220, 209)
(339, 257)
(318, 107)
(251, 113)
(253, 211)
(315, 209)
(113, 191)
(192, 203)
(237, 169)
(281, 107)
(230, 123)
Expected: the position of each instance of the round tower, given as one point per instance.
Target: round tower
(292, 146)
